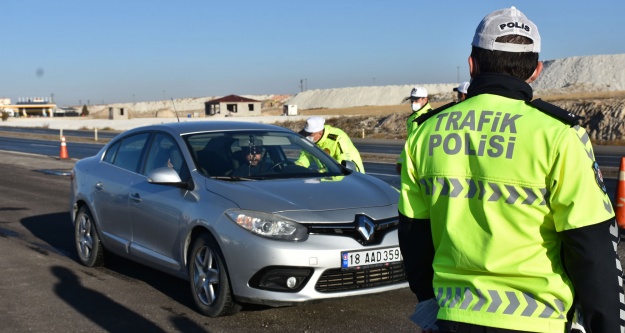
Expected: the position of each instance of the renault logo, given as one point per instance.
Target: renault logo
(365, 227)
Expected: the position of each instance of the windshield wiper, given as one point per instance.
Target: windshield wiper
(237, 178)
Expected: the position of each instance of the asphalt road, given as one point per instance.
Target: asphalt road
(44, 289)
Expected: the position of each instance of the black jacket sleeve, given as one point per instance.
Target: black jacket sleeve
(417, 249)
(592, 263)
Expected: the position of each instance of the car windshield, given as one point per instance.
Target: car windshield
(258, 155)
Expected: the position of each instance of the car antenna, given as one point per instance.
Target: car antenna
(175, 111)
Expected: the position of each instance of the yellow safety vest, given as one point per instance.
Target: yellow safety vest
(337, 144)
(498, 185)
(411, 126)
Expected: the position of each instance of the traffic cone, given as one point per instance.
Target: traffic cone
(619, 197)
(63, 153)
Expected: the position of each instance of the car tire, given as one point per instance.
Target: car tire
(208, 279)
(88, 246)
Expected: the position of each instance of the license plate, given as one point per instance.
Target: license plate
(362, 258)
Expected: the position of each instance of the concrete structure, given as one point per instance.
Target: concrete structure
(289, 110)
(233, 106)
(118, 113)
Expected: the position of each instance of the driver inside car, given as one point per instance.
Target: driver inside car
(252, 165)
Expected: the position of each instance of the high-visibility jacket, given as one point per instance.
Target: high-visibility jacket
(499, 181)
(336, 143)
(411, 125)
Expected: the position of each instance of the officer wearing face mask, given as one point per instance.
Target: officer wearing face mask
(332, 140)
(420, 104)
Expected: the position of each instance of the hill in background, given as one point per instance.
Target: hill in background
(574, 75)
(592, 86)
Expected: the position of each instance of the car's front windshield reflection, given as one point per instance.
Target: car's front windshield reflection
(259, 155)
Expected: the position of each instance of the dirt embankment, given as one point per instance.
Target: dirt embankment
(603, 118)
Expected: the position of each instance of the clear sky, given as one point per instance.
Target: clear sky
(141, 50)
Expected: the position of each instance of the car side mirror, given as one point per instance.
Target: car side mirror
(166, 176)
(349, 165)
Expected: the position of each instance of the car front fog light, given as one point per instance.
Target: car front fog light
(291, 282)
(281, 278)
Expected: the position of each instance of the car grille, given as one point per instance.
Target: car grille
(376, 230)
(334, 280)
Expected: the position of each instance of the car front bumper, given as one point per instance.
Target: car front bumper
(246, 254)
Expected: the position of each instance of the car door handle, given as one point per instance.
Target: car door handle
(135, 197)
(99, 186)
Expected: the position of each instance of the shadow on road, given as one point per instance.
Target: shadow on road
(97, 307)
(54, 229)
(55, 233)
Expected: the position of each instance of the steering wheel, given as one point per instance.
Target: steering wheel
(278, 166)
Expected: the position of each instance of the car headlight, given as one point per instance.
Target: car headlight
(269, 225)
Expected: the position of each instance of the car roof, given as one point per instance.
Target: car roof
(207, 125)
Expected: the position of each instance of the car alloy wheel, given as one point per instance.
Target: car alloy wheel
(88, 246)
(209, 280)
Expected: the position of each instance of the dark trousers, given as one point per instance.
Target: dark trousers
(409, 248)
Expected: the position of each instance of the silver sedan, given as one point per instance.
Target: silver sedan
(246, 212)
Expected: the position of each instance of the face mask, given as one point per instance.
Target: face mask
(416, 107)
(311, 139)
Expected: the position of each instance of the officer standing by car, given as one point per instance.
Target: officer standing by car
(420, 104)
(508, 209)
(332, 140)
(461, 91)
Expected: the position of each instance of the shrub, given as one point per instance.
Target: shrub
(5, 116)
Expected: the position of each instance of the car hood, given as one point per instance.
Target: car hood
(290, 197)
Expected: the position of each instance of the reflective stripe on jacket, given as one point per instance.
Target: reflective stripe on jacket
(499, 179)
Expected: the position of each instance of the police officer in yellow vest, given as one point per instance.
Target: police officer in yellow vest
(506, 203)
(332, 140)
(420, 104)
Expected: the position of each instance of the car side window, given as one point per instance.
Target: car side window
(165, 152)
(111, 152)
(129, 153)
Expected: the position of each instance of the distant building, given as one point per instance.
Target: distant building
(289, 110)
(233, 106)
(66, 112)
(30, 106)
(118, 113)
